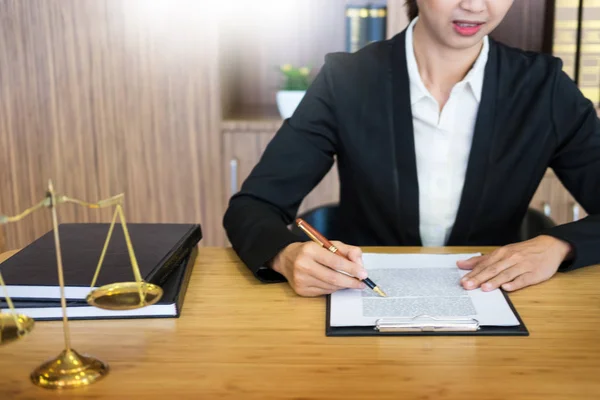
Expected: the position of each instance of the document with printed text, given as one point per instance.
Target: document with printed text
(418, 285)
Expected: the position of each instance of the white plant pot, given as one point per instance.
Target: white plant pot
(288, 100)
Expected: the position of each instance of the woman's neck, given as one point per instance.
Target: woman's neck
(440, 67)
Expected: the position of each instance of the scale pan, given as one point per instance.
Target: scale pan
(125, 296)
(9, 331)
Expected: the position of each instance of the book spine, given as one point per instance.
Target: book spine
(589, 53)
(377, 24)
(357, 22)
(161, 272)
(186, 279)
(566, 25)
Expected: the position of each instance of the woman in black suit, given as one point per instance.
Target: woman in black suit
(441, 137)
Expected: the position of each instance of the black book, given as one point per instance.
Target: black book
(169, 306)
(377, 23)
(31, 274)
(357, 24)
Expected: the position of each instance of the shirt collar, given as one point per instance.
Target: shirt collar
(474, 77)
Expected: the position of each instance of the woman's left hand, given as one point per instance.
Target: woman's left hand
(517, 265)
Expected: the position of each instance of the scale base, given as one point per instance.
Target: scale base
(69, 370)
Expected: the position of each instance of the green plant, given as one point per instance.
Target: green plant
(295, 78)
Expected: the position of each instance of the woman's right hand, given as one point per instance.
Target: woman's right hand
(310, 268)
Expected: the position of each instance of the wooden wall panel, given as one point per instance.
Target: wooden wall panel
(110, 96)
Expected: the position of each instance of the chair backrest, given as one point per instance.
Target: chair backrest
(326, 220)
(534, 223)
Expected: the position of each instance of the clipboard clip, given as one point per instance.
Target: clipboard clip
(426, 323)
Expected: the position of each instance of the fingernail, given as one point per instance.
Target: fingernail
(487, 286)
(506, 286)
(470, 284)
(362, 274)
(363, 286)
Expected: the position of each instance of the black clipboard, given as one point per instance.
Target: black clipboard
(518, 330)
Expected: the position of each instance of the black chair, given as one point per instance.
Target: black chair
(534, 223)
(325, 219)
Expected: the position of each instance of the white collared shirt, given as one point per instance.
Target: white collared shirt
(442, 143)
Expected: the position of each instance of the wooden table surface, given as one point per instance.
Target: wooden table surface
(240, 339)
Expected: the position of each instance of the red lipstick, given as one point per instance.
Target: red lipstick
(467, 28)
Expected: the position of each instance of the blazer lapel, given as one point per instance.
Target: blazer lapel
(479, 158)
(406, 184)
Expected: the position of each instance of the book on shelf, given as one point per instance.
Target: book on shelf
(377, 23)
(364, 24)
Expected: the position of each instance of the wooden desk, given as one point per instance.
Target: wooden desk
(239, 339)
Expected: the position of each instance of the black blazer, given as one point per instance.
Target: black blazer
(531, 117)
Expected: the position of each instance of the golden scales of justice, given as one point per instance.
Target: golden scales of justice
(70, 369)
